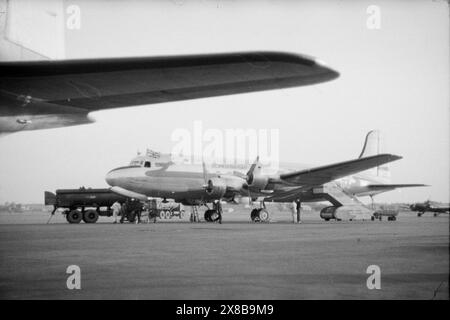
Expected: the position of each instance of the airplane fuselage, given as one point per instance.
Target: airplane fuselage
(185, 182)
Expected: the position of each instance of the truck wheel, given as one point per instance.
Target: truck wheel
(161, 214)
(90, 216)
(74, 216)
(168, 215)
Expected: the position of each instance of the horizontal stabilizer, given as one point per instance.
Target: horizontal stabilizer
(394, 186)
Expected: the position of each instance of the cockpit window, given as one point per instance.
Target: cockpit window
(147, 164)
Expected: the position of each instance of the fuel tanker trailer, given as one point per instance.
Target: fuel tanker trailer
(85, 204)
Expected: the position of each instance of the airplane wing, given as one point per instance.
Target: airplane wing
(48, 94)
(321, 175)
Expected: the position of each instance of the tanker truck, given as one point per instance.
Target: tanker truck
(83, 204)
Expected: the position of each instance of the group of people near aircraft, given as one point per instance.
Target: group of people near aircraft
(131, 209)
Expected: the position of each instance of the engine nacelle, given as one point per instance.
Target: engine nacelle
(216, 188)
(258, 182)
(327, 213)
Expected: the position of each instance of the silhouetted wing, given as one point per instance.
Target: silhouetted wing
(31, 89)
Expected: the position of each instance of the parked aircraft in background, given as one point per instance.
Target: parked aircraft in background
(156, 175)
(429, 206)
(49, 94)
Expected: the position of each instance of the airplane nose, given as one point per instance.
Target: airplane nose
(110, 179)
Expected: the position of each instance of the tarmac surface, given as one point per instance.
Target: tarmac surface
(175, 259)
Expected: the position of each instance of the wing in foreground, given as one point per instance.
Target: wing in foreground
(96, 84)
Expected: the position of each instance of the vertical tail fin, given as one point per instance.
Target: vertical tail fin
(32, 30)
(373, 145)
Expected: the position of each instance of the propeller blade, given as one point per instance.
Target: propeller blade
(205, 173)
(251, 170)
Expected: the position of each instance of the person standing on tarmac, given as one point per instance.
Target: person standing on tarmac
(137, 210)
(116, 210)
(218, 208)
(124, 211)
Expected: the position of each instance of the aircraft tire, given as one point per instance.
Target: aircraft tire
(263, 215)
(74, 216)
(161, 214)
(214, 216)
(208, 214)
(254, 215)
(90, 216)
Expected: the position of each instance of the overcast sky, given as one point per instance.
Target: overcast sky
(395, 79)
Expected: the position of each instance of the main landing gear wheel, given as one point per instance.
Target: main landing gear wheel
(259, 215)
(74, 216)
(211, 215)
(207, 215)
(263, 215)
(254, 215)
(90, 216)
